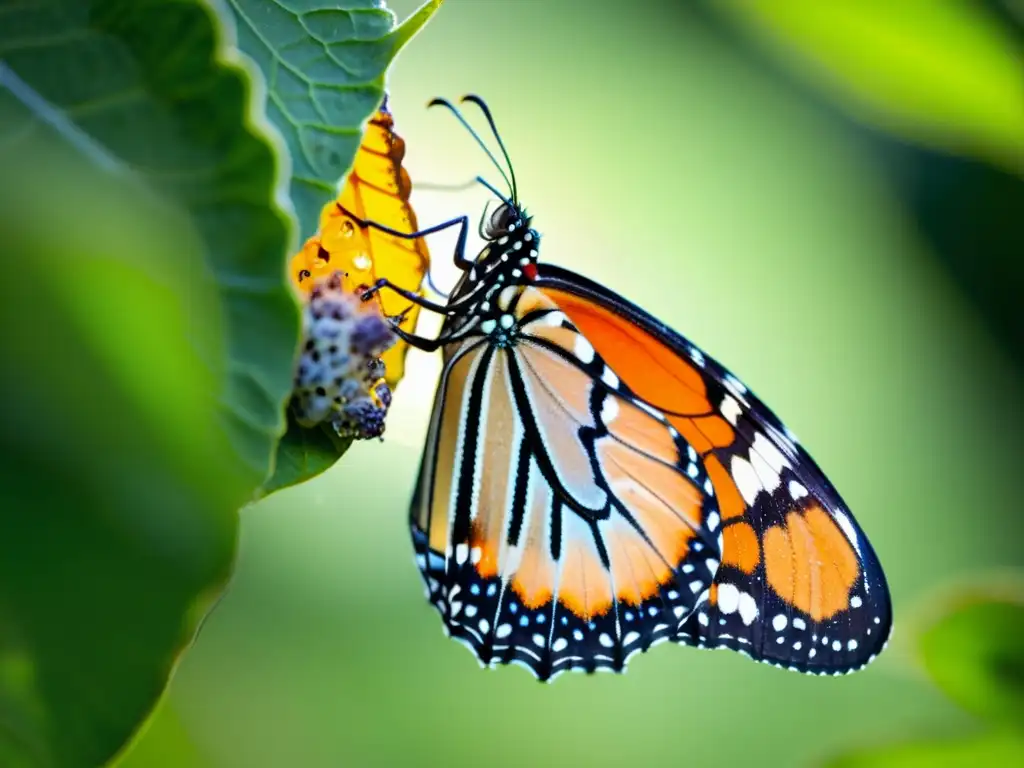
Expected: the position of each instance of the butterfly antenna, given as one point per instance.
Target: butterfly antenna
(495, 192)
(458, 115)
(494, 129)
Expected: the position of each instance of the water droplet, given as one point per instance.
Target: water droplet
(361, 261)
(347, 228)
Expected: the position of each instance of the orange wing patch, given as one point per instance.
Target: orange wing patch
(810, 563)
(636, 570)
(660, 500)
(655, 372)
(584, 588)
(730, 502)
(535, 576)
(648, 367)
(376, 189)
(740, 547)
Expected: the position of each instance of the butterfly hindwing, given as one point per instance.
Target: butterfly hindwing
(559, 522)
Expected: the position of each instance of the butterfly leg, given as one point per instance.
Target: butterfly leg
(442, 309)
(420, 342)
(460, 246)
(427, 345)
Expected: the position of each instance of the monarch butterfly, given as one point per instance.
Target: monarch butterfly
(593, 484)
(376, 188)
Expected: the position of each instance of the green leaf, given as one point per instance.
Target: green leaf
(148, 84)
(987, 749)
(119, 488)
(946, 74)
(164, 743)
(325, 72)
(975, 653)
(303, 454)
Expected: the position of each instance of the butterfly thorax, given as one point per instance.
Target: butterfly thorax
(501, 272)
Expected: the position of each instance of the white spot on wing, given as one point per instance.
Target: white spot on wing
(728, 598)
(847, 525)
(583, 350)
(779, 622)
(747, 608)
(770, 453)
(608, 377)
(731, 409)
(735, 386)
(746, 479)
(609, 410)
(796, 491)
(767, 462)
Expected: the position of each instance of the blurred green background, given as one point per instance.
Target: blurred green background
(866, 287)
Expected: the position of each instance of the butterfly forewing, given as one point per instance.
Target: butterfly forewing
(799, 585)
(560, 521)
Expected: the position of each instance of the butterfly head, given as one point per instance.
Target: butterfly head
(504, 220)
(509, 236)
(507, 230)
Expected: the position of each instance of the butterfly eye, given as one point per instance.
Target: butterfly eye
(504, 218)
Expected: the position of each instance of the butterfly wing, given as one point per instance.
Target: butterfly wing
(558, 523)
(376, 189)
(799, 584)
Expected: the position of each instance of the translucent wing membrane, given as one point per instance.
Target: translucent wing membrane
(799, 585)
(559, 521)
